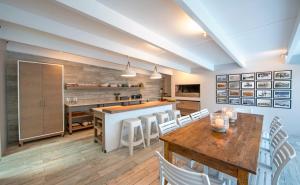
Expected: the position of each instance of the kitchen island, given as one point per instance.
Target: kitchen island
(108, 120)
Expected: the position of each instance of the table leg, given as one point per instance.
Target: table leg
(167, 154)
(242, 178)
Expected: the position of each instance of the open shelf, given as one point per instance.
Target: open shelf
(100, 88)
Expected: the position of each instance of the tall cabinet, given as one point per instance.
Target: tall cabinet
(41, 107)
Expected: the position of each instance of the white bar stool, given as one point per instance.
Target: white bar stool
(151, 125)
(162, 117)
(174, 114)
(130, 125)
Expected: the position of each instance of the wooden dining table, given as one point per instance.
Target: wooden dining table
(234, 153)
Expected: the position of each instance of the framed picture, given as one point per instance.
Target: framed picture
(283, 75)
(264, 102)
(248, 85)
(221, 78)
(263, 84)
(222, 100)
(234, 77)
(264, 93)
(264, 75)
(221, 85)
(248, 101)
(282, 94)
(234, 85)
(233, 92)
(248, 76)
(285, 104)
(222, 93)
(234, 101)
(282, 84)
(248, 93)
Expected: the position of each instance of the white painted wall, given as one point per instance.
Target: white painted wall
(2, 99)
(290, 117)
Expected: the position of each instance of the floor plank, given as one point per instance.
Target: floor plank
(76, 159)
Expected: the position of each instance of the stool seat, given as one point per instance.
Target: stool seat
(130, 125)
(174, 114)
(151, 125)
(162, 117)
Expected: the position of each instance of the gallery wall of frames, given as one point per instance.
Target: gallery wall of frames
(261, 89)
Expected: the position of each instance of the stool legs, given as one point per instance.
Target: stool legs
(131, 140)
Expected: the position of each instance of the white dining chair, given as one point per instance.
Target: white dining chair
(184, 120)
(196, 115)
(271, 175)
(204, 113)
(171, 126)
(178, 176)
(268, 149)
(274, 127)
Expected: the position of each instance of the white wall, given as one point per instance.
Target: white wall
(290, 117)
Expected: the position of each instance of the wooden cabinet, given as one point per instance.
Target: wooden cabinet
(187, 107)
(40, 100)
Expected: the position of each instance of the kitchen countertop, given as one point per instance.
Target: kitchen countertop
(97, 102)
(118, 109)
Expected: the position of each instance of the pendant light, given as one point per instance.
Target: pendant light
(155, 74)
(128, 72)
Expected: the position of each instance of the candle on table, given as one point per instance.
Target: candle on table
(219, 123)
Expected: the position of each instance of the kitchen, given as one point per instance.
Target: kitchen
(108, 92)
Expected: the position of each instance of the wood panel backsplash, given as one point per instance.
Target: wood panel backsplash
(73, 73)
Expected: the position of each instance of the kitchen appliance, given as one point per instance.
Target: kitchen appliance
(136, 96)
(124, 97)
(187, 90)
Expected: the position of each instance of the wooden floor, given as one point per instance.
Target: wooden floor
(76, 159)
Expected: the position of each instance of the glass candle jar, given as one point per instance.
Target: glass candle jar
(231, 113)
(219, 122)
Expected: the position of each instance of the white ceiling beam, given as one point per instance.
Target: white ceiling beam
(98, 11)
(30, 38)
(293, 51)
(197, 12)
(17, 16)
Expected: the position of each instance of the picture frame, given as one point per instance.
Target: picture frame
(221, 85)
(248, 76)
(222, 100)
(222, 93)
(248, 101)
(264, 75)
(282, 75)
(234, 101)
(234, 77)
(282, 103)
(234, 85)
(221, 78)
(250, 93)
(248, 85)
(282, 84)
(263, 84)
(234, 92)
(282, 94)
(263, 93)
(263, 102)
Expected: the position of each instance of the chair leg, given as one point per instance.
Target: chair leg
(148, 133)
(143, 136)
(130, 140)
(121, 137)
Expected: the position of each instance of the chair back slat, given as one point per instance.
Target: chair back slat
(196, 115)
(281, 157)
(184, 120)
(204, 113)
(168, 127)
(176, 175)
(279, 138)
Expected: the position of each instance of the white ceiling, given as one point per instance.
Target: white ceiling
(168, 33)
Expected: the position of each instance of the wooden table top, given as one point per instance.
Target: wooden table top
(118, 109)
(239, 147)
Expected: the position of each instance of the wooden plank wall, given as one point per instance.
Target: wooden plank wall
(74, 72)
